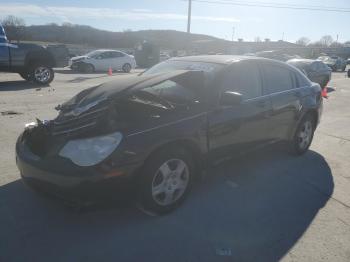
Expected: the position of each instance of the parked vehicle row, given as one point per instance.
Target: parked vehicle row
(334, 62)
(154, 132)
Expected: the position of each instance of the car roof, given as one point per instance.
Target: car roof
(219, 59)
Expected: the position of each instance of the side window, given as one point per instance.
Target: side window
(277, 79)
(117, 54)
(104, 55)
(243, 78)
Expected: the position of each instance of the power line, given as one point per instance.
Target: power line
(285, 5)
(271, 5)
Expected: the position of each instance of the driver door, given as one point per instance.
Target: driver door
(239, 127)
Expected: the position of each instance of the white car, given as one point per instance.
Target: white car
(102, 60)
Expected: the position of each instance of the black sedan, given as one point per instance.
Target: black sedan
(157, 130)
(315, 70)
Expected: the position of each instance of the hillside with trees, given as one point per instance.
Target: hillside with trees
(89, 36)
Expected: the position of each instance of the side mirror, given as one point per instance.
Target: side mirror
(229, 98)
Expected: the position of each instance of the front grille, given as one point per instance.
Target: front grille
(88, 120)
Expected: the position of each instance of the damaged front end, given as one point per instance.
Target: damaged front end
(87, 144)
(72, 156)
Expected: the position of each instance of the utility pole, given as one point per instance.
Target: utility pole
(233, 33)
(189, 16)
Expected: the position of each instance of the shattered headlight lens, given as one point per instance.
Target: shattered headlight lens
(91, 151)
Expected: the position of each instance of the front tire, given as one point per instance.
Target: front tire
(303, 136)
(166, 180)
(86, 68)
(42, 74)
(126, 68)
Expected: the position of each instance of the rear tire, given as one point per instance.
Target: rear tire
(42, 74)
(166, 180)
(303, 135)
(126, 68)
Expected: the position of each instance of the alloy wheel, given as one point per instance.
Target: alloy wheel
(42, 74)
(305, 135)
(170, 182)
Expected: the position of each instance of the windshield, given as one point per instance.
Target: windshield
(209, 69)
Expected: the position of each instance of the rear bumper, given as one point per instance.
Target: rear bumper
(62, 179)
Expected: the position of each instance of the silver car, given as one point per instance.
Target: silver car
(103, 60)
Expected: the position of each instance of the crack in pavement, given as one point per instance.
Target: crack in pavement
(339, 137)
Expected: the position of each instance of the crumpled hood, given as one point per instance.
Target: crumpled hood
(93, 96)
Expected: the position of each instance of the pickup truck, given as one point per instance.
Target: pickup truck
(31, 61)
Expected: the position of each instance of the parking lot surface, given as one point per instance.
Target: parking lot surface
(265, 206)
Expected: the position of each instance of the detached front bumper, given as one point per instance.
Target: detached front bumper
(60, 177)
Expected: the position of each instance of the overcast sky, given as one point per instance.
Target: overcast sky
(212, 19)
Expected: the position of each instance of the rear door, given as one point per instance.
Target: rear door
(280, 86)
(238, 127)
(118, 59)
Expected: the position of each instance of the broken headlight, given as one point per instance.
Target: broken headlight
(91, 151)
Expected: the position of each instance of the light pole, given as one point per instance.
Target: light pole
(189, 16)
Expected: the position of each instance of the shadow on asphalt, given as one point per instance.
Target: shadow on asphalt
(256, 206)
(19, 85)
(72, 72)
(97, 73)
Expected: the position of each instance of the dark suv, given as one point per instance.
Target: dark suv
(155, 131)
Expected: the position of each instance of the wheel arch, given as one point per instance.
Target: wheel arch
(314, 114)
(188, 145)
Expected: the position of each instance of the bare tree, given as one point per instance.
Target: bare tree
(14, 27)
(337, 44)
(326, 40)
(303, 41)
